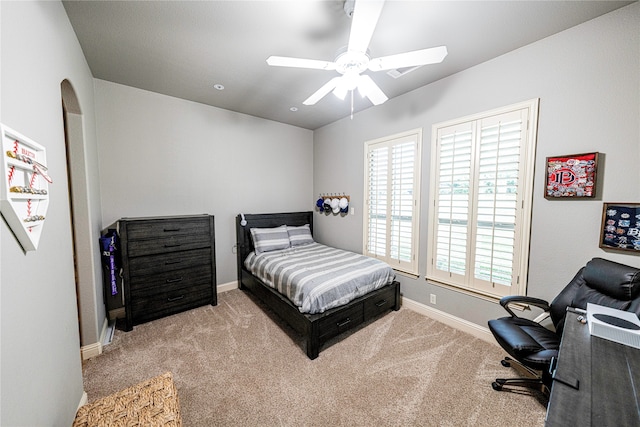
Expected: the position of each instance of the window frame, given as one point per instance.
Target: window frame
(409, 267)
(467, 283)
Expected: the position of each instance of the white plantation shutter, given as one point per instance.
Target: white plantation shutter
(482, 172)
(391, 191)
(377, 206)
(402, 200)
(452, 210)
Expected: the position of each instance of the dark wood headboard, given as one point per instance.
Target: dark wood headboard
(244, 243)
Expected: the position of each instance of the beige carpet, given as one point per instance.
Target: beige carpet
(234, 365)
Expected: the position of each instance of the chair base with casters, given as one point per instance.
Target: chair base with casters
(532, 346)
(532, 379)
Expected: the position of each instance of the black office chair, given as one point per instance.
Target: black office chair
(533, 346)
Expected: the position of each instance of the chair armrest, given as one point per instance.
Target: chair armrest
(521, 299)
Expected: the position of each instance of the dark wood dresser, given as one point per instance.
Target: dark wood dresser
(168, 265)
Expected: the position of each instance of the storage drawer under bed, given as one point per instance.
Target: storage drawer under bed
(385, 300)
(346, 320)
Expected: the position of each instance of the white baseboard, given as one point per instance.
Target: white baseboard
(83, 400)
(91, 350)
(227, 286)
(450, 320)
(95, 349)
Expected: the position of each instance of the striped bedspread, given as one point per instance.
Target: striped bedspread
(316, 277)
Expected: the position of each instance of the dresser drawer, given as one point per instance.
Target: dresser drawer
(167, 244)
(169, 301)
(158, 228)
(146, 265)
(170, 279)
(385, 300)
(349, 318)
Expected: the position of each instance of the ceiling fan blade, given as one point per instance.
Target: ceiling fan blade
(431, 55)
(320, 93)
(368, 88)
(365, 18)
(283, 61)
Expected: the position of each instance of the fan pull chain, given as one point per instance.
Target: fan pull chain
(352, 105)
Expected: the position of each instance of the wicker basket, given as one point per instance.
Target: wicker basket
(153, 402)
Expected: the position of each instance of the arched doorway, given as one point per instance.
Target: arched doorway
(91, 312)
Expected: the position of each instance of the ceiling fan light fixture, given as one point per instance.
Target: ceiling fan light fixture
(351, 61)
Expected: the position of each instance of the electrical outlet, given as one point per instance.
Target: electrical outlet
(353, 211)
(432, 299)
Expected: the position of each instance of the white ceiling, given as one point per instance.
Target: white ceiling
(183, 48)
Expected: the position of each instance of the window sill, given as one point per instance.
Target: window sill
(476, 294)
(480, 295)
(407, 274)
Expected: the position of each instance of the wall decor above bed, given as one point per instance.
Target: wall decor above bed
(333, 203)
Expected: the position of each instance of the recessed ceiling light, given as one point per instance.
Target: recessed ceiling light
(218, 86)
(293, 109)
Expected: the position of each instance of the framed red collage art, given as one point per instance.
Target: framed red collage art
(571, 176)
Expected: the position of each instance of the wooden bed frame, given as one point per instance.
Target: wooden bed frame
(315, 328)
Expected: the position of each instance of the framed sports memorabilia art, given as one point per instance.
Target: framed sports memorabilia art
(24, 192)
(571, 176)
(620, 228)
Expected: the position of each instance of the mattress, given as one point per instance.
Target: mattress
(315, 277)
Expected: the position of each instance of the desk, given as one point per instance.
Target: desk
(608, 376)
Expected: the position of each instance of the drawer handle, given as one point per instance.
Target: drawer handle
(175, 298)
(344, 323)
(172, 246)
(179, 279)
(381, 303)
(172, 262)
(171, 230)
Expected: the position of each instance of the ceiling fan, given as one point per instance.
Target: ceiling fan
(354, 59)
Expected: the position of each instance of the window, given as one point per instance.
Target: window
(392, 191)
(481, 192)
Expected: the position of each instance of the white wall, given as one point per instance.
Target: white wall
(588, 82)
(41, 372)
(161, 155)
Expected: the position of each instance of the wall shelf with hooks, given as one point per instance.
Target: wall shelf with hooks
(336, 203)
